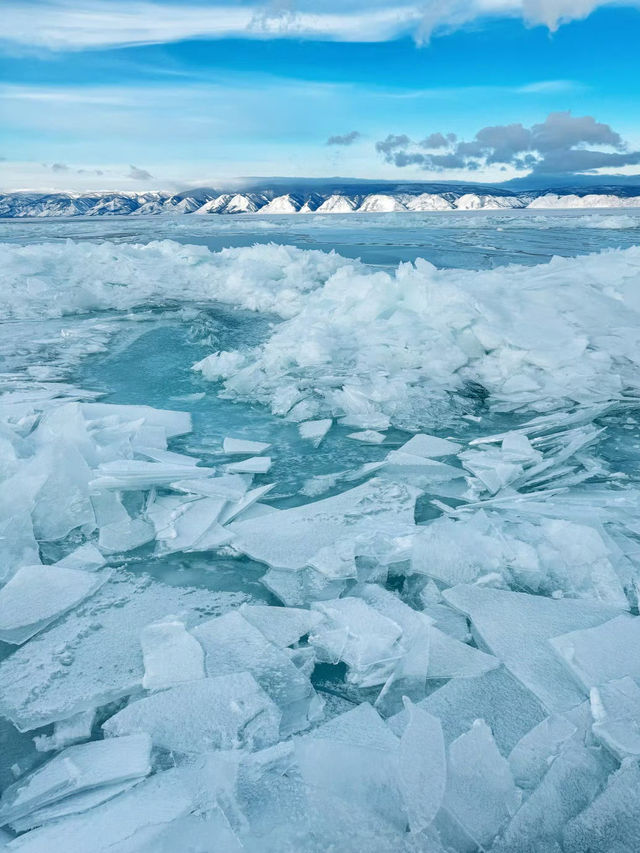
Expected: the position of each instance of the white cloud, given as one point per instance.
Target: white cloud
(64, 25)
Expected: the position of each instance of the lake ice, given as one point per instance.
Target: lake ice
(320, 535)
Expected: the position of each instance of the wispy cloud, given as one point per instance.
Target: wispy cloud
(65, 25)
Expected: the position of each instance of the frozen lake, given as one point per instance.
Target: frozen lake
(280, 655)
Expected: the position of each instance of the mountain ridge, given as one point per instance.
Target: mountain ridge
(345, 198)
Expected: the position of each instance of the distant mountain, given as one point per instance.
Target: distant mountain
(303, 196)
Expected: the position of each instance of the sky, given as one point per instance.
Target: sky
(108, 94)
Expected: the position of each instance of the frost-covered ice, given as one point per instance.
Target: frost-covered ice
(411, 627)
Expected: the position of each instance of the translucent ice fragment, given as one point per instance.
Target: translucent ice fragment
(422, 768)
(253, 465)
(135, 474)
(282, 626)
(36, 595)
(302, 531)
(481, 793)
(229, 486)
(236, 507)
(615, 707)
(75, 770)
(516, 628)
(92, 655)
(602, 653)
(233, 645)
(367, 436)
(146, 809)
(174, 423)
(315, 431)
(357, 634)
(532, 756)
(611, 823)
(354, 756)
(86, 557)
(67, 732)
(125, 535)
(227, 712)
(572, 781)
(171, 655)
(495, 697)
(242, 446)
(191, 528)
(430, 446)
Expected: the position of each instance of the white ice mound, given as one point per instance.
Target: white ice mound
(93, 276)
(396, 343)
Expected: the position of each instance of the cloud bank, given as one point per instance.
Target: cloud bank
(67, 25)
(561, 144)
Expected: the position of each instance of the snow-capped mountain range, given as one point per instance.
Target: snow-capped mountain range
(205, 202)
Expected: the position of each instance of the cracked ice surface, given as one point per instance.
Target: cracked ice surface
(411, 627)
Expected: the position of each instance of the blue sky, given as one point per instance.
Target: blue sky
(106, 94)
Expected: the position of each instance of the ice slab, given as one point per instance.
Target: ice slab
(615, 707)
(93, 655)
(354, 756)
(304, 530)
(603, 652)
(495, 697)
(516, 628)
(242, 446)
(66, 732)
(532, 756)
(237, 507)
(135, 474)
(315, 431)
(231, 644)
(611, 823)
(227, 712)
(480, 793)
(86, 557)
(154, 454)
(367, 436)
(357, 634)
(572, 781)
(171, 655)
(430, 446)
(194, 526)
(37, 595)
(125, 535)
(75, 770)
(253, 465)
(73, 805)
(430, 470)
(145, 810)
(65, 472)
(422, 767)
(173, 423)
(232, 487)
(282, 626)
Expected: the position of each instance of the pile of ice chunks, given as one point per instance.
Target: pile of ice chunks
(470, 682)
